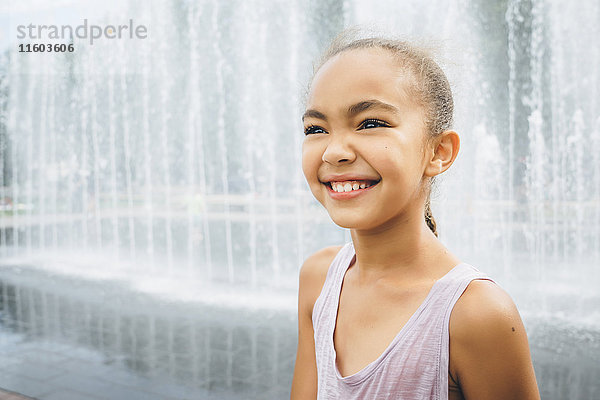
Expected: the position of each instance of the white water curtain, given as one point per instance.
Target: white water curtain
(179, 155)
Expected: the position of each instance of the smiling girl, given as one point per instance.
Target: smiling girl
(393, 314)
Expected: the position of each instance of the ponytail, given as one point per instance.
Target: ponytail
(429, 218)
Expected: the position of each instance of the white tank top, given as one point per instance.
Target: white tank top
(415, 364)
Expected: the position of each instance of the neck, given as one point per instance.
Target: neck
(402, 248)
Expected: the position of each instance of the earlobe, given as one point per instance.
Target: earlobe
(435, 167)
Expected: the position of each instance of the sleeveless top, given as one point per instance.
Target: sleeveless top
(415, 364)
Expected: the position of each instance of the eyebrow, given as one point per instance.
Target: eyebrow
(354, 109)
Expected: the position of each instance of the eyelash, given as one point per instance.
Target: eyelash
(309, 130)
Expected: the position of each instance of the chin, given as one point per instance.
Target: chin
(351, 220)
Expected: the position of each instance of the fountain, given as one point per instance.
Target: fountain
(153, 213)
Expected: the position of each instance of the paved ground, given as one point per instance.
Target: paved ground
(5, 395)
(63, 339)
(52, 371)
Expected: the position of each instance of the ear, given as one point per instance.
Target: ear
(442, 151)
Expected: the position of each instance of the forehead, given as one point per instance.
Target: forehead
(359, 74)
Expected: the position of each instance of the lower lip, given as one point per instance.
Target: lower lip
(347, 195)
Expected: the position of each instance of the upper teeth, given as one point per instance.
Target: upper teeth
(348, 186)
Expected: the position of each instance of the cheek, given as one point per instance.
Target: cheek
(393, 168)
(310, 162)
(400, 170)
(383, 159)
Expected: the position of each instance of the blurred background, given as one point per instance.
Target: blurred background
(154, 216)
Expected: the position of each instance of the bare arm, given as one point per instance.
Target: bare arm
(489, 351)
(311, 279)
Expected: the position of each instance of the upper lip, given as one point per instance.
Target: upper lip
(347, 177)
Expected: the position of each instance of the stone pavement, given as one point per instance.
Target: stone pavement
(63, 338)
(4, 395)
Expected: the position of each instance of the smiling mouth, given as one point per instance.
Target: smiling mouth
(349, 186)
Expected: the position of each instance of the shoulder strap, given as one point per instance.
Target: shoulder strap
(334, 275)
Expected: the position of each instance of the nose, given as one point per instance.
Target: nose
(338, 151)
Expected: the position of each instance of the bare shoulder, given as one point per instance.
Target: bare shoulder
(484, 304)
(312, 276)
(484, 316)
(489, 350)
(318, 262)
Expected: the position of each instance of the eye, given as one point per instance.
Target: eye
(313, 129)
(372, 123)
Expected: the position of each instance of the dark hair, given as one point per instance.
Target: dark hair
(430, 85)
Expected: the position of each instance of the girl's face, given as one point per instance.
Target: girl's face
(363, 154)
